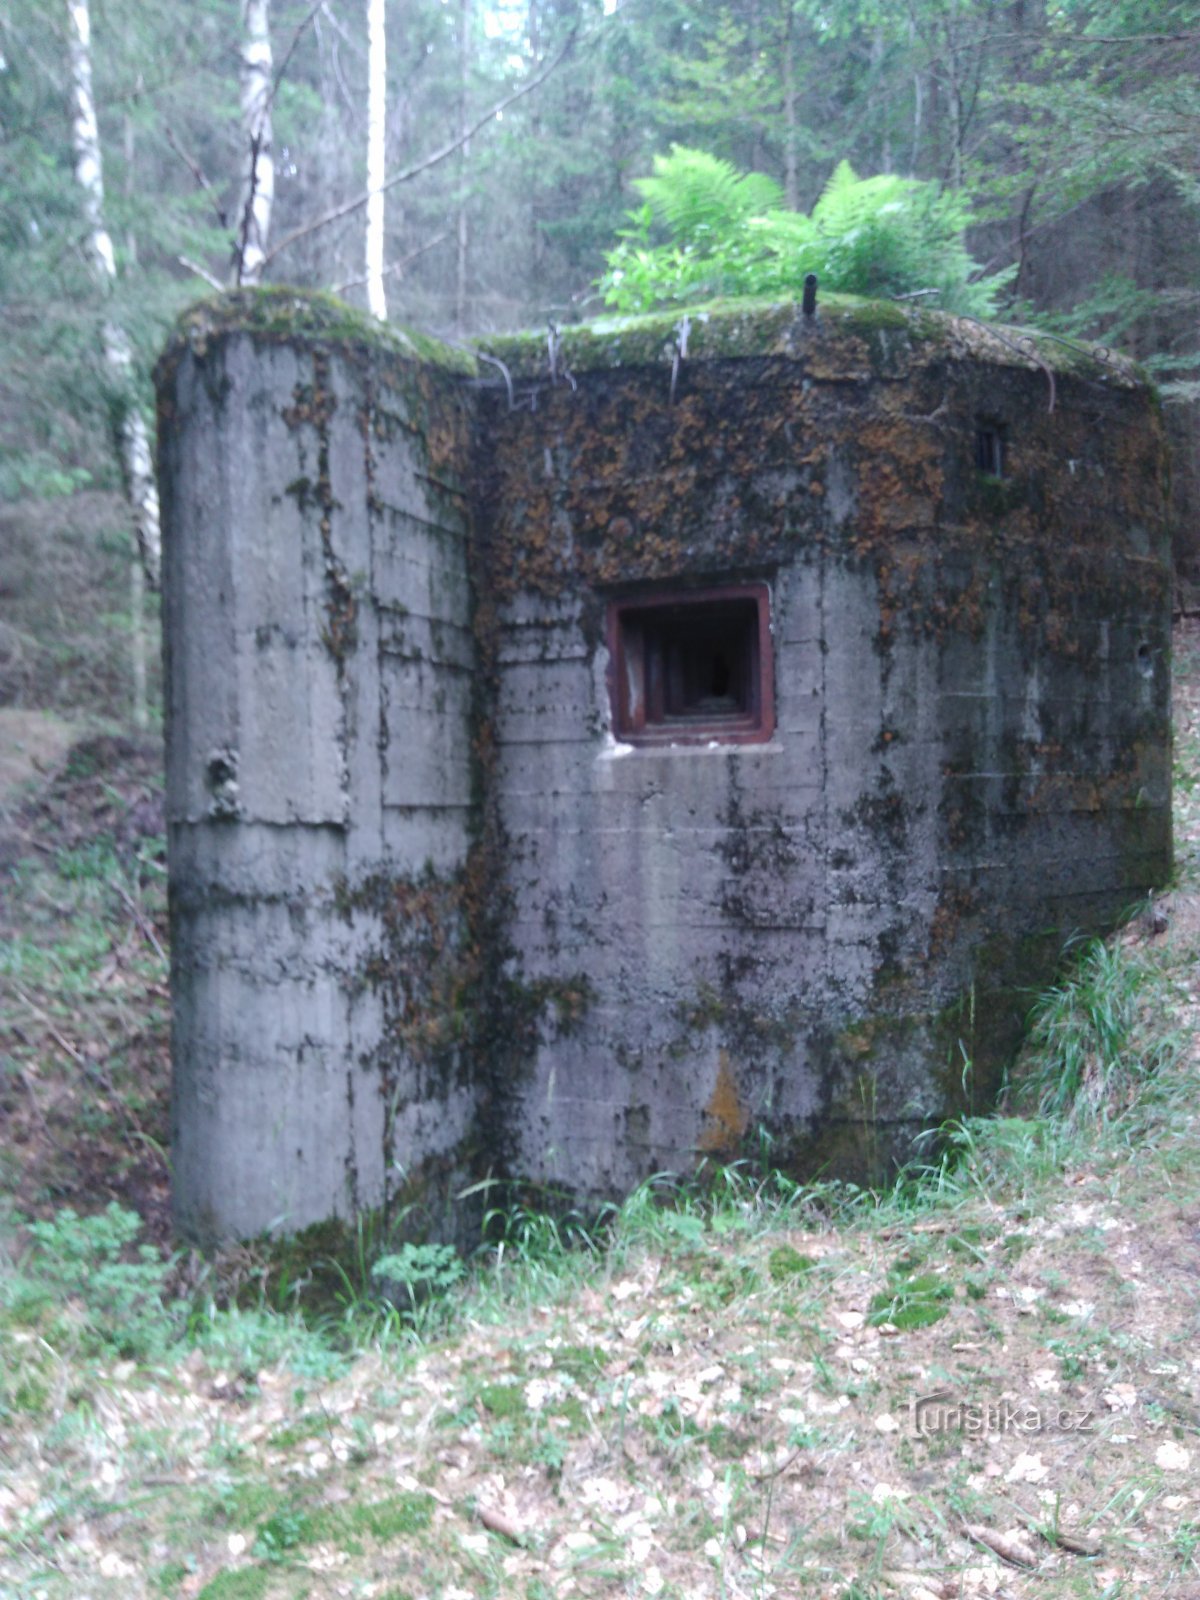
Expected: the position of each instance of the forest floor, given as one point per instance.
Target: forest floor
(985, 1383)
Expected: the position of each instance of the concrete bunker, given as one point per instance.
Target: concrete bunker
(582, 761)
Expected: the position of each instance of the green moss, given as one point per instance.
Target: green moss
(242, 1504)
(168, 1578)
(784, 1263)
(314, 1425)
(1085, 358)
(867, 316)
(966, 1241)
(293, 1526)
(719, 329)
(281, 314)
(582, 1361)
(571, 1410)
(729, 1444)
(731, 329)
(502, 1400)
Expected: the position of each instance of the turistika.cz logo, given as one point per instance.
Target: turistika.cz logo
(944, 1412)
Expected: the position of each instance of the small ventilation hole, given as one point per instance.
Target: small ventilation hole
(989, 449)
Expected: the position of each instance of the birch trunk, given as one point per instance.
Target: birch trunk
(137, 571)
(537, 243)
(376, 124)
(258, 184)
(464, 165)
(132, 438)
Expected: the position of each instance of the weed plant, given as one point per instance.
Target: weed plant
(1100, 1035)
(94, 1289)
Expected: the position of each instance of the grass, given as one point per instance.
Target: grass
(1097, 1036)
(701, 1404)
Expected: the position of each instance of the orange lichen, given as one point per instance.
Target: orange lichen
(727, 1118)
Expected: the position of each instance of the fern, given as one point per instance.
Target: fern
(728, 234)
(692, 192)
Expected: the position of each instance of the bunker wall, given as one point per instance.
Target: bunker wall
(826, 936)
(442, 908)
(319, 789)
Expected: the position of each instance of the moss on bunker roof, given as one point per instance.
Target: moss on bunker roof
(875, 333)
(876, 336)
(279, 314)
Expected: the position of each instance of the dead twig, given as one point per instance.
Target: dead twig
(60, 1040)
(39, 1115)
(199, 174)
(201, 272)
(291, 49)
(143, 924)
(778, 1472)
(1016, 1553)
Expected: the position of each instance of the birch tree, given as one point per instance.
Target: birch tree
(376, 124)
(258, 179)
(463, 241)
(132, 438)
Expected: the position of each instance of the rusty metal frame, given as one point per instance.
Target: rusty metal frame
(635, 651)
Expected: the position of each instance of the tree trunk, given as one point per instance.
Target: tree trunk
(376, 124)
(536, 241)
(137, 572)
(918, 118)
(878, 57)
(132, 439)
(791, 185)
(258, 183)
(464, 167)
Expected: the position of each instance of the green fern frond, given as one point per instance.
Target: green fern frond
(728, 233)
(692, 191)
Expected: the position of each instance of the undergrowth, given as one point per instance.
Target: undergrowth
(1100, 1035)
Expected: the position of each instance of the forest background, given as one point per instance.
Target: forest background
(1070, 135)
(1070, 131)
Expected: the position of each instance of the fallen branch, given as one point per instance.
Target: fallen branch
(1013, 1551)
(777, 1472)
(63, 1043)
(201, 272)
(35, 1106)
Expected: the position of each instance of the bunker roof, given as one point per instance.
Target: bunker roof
(848, 337)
